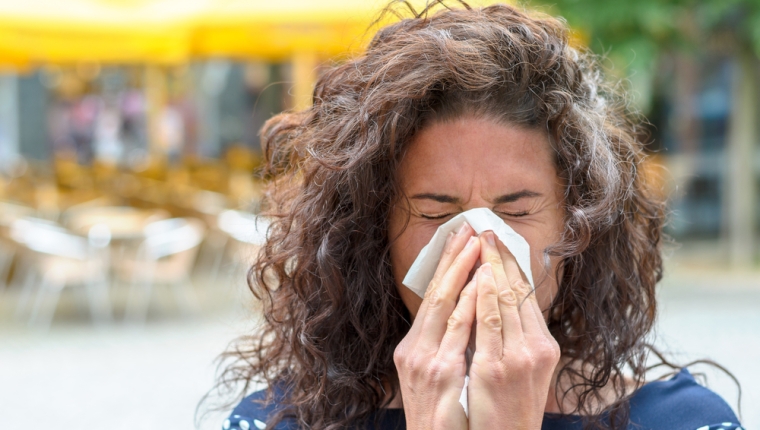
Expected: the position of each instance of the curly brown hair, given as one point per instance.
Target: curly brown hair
(332, 314)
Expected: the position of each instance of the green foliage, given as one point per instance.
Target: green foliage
(653, 25)
(629, 32)
(633, 34)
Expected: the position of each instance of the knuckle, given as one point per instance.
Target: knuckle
(492, 321)
(508, 297)
(435, 371)
(547, 352)
(455, 322)
(432, 287)
(554, 352)
(412, 365)
(494, 259)
(434, 299)
(520, 285)
(498, 373)
(399, 359)
(400, 353)
(487, 286)
(524, 362)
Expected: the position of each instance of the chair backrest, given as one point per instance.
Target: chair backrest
(49, 238)
(244, 227)
(87, 216)
(171, 236)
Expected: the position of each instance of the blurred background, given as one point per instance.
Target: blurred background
(129, 199)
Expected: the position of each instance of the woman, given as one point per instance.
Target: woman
(446, 112)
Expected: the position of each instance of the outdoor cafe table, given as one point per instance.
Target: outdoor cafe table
(125, 223)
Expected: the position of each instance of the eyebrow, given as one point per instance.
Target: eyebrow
(506, 198)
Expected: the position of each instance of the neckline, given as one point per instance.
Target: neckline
(554, 416)
(683, 372)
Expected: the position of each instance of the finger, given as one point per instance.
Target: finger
(455, 243)
(527, 304)
(543, 309)
(439, 304)
(459, 326)
(489, 253)
(539, 312)
(512, 329)
(488, 332)
(541, 320)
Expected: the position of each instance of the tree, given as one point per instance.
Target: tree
(634, 36)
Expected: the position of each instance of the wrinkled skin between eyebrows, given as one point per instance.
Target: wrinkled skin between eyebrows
(466, 163)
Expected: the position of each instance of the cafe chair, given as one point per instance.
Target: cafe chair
(55, 258)
(7, 254)
(9, 212)
(165, 256)
(242, 235)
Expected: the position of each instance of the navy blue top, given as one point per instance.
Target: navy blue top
(679, 403)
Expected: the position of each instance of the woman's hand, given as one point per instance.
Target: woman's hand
(430, 360)
(515, 355)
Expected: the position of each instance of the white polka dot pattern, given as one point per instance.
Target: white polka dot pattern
(722, 426)
(237, 422)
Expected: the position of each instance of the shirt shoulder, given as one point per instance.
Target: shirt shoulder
(254, 411)
(681, 403)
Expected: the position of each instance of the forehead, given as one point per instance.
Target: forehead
(477, 152)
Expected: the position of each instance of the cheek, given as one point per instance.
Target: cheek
(406, 245)
(404, 250)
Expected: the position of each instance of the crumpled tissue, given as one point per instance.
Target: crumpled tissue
(481, 219)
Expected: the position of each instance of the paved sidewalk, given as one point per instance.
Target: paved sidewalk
(714, 314)
(77, 377)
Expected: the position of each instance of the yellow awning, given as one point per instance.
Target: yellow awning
(173, 31)
(279, 29)
(108, 31)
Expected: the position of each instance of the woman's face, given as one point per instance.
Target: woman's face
(454, 166)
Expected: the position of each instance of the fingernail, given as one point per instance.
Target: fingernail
(471, 241)
(448, 239)
(463, 228)
(486, 269)
(490, 238)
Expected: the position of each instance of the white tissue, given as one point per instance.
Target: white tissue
(480, 219)
(463, 396)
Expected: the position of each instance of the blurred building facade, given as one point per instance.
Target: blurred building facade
(175, 100)
(693, 110)
(101, 115)
(104, 115)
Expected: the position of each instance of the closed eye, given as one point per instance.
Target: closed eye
(441, 216)
(518, 214)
